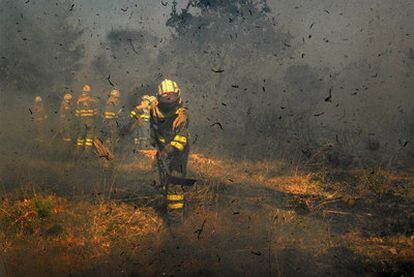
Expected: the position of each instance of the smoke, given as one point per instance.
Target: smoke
(291, 84)
(39, 50)
(129, 58)
(347, 98)
(262, 79)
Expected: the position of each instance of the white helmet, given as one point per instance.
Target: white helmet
(115, 93)
(67, 97)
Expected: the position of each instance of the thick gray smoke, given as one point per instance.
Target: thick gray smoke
(40, 49)
(262, 79)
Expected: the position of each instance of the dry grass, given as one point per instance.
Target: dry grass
(40, 229)
(78, 234)
(380, 183)
(260, 173)
(246, 172)
(318, 187)
(322, 187)
(378, 248)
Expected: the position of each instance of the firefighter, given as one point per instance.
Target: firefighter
(39, 117)
(112, 112)
(86, 111)
(66, 118)
(169, 134)
(140, 117)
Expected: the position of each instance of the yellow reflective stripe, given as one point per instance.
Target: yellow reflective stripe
(89, 112)
(88, 142)
(175, 197)
(145, 116)
(180, 139)
(161, 139)
(79, 142)
(178, 205)
(67, 139)
(177, 145)
(136, 141)
(109, 113)
(132, 114)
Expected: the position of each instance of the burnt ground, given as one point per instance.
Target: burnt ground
(242, 219)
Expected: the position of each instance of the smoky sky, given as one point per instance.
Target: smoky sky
(295, 74)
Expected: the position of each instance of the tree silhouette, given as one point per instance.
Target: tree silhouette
(217, 44)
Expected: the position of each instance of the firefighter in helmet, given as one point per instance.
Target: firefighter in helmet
(66, 114)
(39, 117)
(169, 134)
(86, 112)
(112, 112)
(140, 117)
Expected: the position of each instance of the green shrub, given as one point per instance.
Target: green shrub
(43, 207)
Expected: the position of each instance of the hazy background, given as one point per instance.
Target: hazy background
(284, 79)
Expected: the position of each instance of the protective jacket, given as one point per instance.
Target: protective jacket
(140, 124)
(39, 117)
(66, 116)
(38, 112)
(112, 112)
(169, 134)
(86, 112)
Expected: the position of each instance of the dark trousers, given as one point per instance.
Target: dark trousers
(85, 135)
(174, 202)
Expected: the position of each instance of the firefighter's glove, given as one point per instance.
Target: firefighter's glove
(167, 151)
(153, 142)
